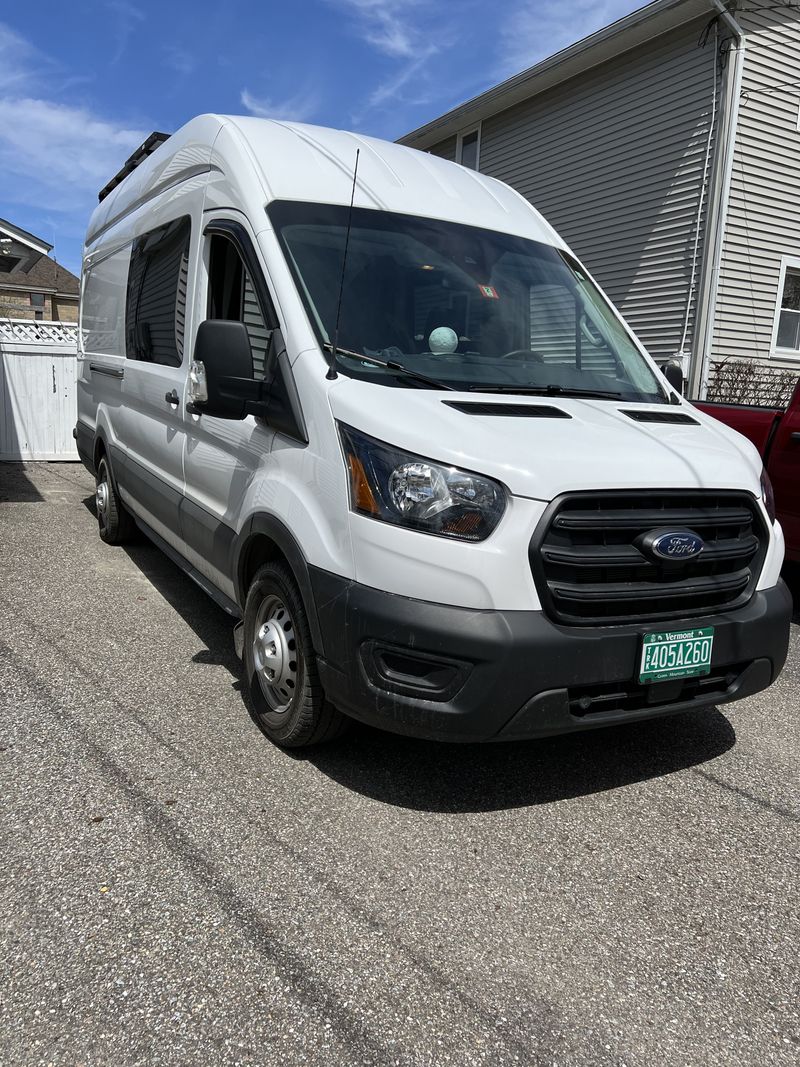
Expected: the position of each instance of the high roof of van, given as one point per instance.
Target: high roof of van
(251, 161)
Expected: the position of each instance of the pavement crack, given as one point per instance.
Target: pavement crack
(775, 809)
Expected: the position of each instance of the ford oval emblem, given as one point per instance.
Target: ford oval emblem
(674, 545)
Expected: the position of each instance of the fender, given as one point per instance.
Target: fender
(86, 443)
(264, 524)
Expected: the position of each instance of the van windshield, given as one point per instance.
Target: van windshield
(471, 308)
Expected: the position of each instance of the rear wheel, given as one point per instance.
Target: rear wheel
(281, 666)
(115, 523)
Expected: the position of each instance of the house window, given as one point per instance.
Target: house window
(787, 327)
(468, 149)
(37, 303)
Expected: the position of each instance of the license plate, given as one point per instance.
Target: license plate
(677, 654)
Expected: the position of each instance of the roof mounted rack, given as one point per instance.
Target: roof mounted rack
(132, 162)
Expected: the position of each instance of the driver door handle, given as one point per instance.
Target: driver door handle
(172, 397)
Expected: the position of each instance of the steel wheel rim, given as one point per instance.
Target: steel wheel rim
(101, 499)
(276, 657)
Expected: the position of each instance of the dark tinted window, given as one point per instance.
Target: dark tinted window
(155, 309)
(469, 150)
(468, 306)
(231, 295)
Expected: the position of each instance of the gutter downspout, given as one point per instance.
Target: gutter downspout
(717, 219)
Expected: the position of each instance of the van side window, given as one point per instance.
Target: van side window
(103, 303)
(155, 310)
(231, 296)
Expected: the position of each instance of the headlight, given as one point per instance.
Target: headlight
(768, 495)
(407, 490)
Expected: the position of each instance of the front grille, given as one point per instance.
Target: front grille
(590, 568)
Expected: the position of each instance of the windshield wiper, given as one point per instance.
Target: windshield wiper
(547, 390)
(392, 365)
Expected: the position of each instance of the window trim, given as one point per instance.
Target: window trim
(460, 145)
(236, 233)
(791, 263)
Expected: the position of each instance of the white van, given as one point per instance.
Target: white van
(370, 401)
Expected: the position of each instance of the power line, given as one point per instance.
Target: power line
(747, 93)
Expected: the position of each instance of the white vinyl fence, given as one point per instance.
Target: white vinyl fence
(38, 405)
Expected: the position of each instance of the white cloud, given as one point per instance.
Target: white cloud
(54, 158)
(388, 25)
(409, 31)
(124, 17)
(59, 154)
(298, 108)
(181, 61)
(18, 61)
(389, 89)
(534, 31)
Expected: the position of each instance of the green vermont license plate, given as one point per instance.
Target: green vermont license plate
(679, 654)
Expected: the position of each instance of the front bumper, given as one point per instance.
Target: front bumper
(456, 674)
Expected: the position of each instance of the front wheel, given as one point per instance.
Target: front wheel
(280, 664)
(115, 524)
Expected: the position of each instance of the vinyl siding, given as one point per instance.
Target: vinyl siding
(763, 218)
(256, 328)
(446, 149)
(614, 159)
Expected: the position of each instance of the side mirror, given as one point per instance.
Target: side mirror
(222, 369)
(673, 372)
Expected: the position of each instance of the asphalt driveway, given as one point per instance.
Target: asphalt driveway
(175, 890)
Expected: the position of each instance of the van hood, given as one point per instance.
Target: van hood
(598, 446)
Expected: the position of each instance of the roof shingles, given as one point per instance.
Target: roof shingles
(44, 274)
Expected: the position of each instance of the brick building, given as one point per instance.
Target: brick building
(33, 286)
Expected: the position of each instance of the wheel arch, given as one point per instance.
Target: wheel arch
(263, 538)
(100, 448)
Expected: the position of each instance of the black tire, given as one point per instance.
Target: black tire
(289, 706)
(115, 523)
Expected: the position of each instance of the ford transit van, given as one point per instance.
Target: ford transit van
(373, 404)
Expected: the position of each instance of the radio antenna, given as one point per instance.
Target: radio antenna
(332, 374)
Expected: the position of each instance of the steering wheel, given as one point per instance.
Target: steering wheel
(524, 353)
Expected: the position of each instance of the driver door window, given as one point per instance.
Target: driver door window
(231, 295)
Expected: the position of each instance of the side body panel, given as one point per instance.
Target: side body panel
(755, 423)
(126, 400)
(776, 435)
(783, 465)
(236, 471)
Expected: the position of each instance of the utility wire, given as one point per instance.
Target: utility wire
(690, 296)
(746, 93)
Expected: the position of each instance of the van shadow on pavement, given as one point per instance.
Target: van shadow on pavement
(438, 777)
(213, 626)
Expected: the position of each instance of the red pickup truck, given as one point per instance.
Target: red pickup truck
(776, 434)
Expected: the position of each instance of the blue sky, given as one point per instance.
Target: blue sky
(82, 83)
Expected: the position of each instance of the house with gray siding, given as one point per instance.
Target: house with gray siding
(32, 285)
(666, 151)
